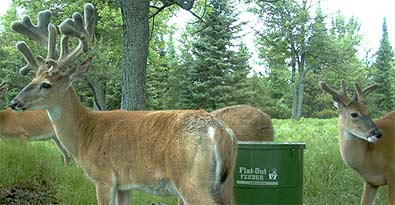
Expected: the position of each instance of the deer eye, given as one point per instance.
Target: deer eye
(46, 85)
(354, 114)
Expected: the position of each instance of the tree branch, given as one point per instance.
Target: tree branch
(185, 4)
(94, 95)
(201, 17)
(159, 9)
(273, 43)
(152, 29)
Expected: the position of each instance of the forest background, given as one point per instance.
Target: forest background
(208, 65)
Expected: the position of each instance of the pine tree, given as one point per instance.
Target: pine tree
(239, 71)
(210, 80)
(383, 74)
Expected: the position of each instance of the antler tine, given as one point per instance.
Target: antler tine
(44, 33)
(37, 33)
(89, 20)
(51, 54)
(358, 93)
(343, 87)
(369, 89)
(79, 27)
(325, 87)
(341, 96)
(28, 55)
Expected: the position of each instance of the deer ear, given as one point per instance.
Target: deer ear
(81, 69)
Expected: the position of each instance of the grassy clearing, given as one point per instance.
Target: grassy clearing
(38, 167)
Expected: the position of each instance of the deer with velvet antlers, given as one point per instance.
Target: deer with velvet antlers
(187, 153)
(28, 126)
(366, 146)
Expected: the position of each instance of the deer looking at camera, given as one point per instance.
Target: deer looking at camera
(28, 126)
(187, 153)
(247, 123)
(366, 146)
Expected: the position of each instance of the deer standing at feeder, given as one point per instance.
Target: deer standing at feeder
(366, 146)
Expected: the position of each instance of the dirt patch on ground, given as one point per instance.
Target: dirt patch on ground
(25, 194)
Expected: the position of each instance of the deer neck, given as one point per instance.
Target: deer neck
(353, 149)
(68, 118)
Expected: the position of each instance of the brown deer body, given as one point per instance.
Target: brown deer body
(28, 126)
(247, 123)
(366, 146)
(186, 153)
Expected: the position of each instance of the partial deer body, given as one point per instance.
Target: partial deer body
(247, 123)
(28, 126)
(187, 153)
(366, 146)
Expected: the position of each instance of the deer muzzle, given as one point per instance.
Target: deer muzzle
(16, 104)
(374, 135)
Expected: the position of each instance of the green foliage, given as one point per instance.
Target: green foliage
(383, 74)
(212, 69)
(284, 41)
(306, 54)
(162, 64)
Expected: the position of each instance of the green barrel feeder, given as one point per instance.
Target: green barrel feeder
(269, 173)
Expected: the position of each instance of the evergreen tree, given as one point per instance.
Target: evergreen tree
(383, 74)
(160, 55)
(239, 71)
(210, 81)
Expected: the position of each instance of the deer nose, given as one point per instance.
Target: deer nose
(377, 133)
(15, 104)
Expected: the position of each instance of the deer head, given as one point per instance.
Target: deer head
(354, 117)
(53, 76)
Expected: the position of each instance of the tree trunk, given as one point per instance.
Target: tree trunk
(293, 85)
(300, 96)
(294, 94)
(135, 52)
(301, 71)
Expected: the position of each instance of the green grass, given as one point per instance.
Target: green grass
(327, 180)
(39, 166)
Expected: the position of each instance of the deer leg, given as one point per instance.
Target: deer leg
(368, 194)
(194, 191)
(196, 197)
(105, 195)
(227, 191)
(123, 197)
(65, 154)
